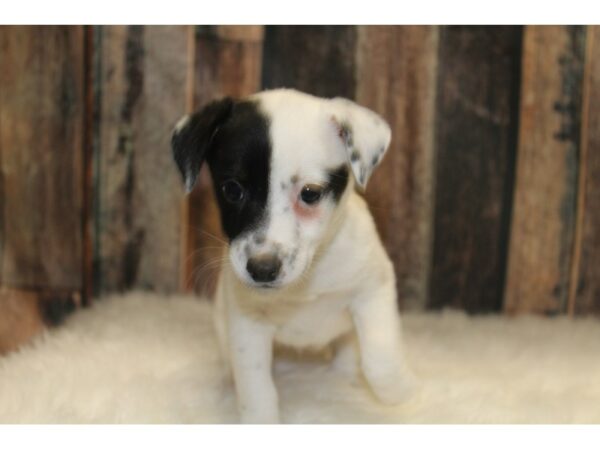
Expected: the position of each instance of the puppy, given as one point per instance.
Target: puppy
(305, 265)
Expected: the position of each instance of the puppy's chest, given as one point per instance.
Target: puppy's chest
(314, 324)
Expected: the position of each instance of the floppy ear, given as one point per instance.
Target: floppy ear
(192, 138)
(365, 135)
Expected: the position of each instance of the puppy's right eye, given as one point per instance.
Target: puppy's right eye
(311, 194)
(232, 191)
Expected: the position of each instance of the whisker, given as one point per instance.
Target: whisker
(212, 263)
(193, 254)
(215, 237)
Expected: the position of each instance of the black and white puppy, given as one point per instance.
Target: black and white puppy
(305, 264)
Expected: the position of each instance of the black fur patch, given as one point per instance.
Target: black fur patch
(193, 142)
(241, 150)
(337, 181)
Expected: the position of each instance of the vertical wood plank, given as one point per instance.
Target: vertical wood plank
(24, 313)
(228, 62)
(396, 76)
(41, 141)
(87, 265)
(476, 131)
(20, 318)
(585, 281)
(544, 201)
(143, 92)
(319, 60)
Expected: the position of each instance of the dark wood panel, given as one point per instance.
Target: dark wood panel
(396, 76)
(541, 241)
(319, 60)
(41, 141)
(476, 130)
(143, 91)
(90, 116)
(228, 61)
(585, 289)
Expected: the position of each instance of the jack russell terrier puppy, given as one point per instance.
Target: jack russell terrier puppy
(306, 266)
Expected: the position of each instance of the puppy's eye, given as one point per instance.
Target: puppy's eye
(232, 191)
(311, 194)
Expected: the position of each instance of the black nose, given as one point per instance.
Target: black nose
(264, 268)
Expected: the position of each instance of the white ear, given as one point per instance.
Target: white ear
(365, 135)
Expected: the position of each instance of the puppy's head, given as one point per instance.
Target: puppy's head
(282, 163)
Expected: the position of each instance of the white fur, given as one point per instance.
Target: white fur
(181, 123)
(336, 280)
(146, 358)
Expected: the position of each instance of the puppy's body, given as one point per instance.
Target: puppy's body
(306, 265)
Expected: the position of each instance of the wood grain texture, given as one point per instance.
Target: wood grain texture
(476, 129)
(41, 129)
(396, 77)
(319, 60)
(90, 114)
(585, 289)
(545, 190)
(20, 318)
(142, 93)
(228, 63)
(25, 313)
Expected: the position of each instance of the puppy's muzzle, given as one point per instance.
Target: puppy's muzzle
(264, 268)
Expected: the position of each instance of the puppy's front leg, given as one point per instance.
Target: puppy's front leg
(251, 350)
(377, 324)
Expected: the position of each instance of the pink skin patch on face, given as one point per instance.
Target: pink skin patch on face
(306, 212)
(302, 210)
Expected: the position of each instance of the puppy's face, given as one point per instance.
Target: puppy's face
(280, 163)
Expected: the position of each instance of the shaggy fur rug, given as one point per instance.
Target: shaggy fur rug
(142, 358)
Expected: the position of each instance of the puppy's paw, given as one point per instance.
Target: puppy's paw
(394, 387)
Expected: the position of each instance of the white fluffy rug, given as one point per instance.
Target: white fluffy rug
(145, 358)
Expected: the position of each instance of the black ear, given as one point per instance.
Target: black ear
(193, 136)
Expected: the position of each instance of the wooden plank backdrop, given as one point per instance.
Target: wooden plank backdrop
(142, 91)
(585, 274)
(487, 201)
(41, 177)
(317, 59)
(545, 192)
(396, 76)
(41, 132)
(476, 131)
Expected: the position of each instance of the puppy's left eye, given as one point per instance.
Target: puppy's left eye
(233, 191)
(311, 194)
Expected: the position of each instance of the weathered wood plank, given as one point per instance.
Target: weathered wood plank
(396, 76)
(544, 202)
(143, 92)
(20, 318)
(319, 60)
(228, 63)
(476, 131)
(25, 313)
(41, 129)
(90, 114)
(585, 282)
